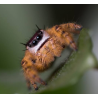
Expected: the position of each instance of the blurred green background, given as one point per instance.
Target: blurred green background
(17, 24)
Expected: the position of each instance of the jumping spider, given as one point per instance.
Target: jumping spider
(43, 47)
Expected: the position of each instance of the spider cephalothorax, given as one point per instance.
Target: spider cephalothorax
(43, 47)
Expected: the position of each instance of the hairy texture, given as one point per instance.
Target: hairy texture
(60, 36)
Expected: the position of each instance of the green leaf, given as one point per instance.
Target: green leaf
(74, 68)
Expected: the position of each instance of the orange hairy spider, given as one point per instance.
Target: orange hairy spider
(43, 47)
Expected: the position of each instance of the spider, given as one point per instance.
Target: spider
(43, 47)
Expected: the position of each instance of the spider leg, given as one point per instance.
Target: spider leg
(70, 41)
(62, 33)
(72, 27)
(30, 73)
(34, 78)
(28, 84)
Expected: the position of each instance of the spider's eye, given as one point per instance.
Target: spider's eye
(39, 37)
(34, 42)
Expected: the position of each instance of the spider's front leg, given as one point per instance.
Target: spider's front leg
(33, 78)
(30, 72)
(30, 81)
